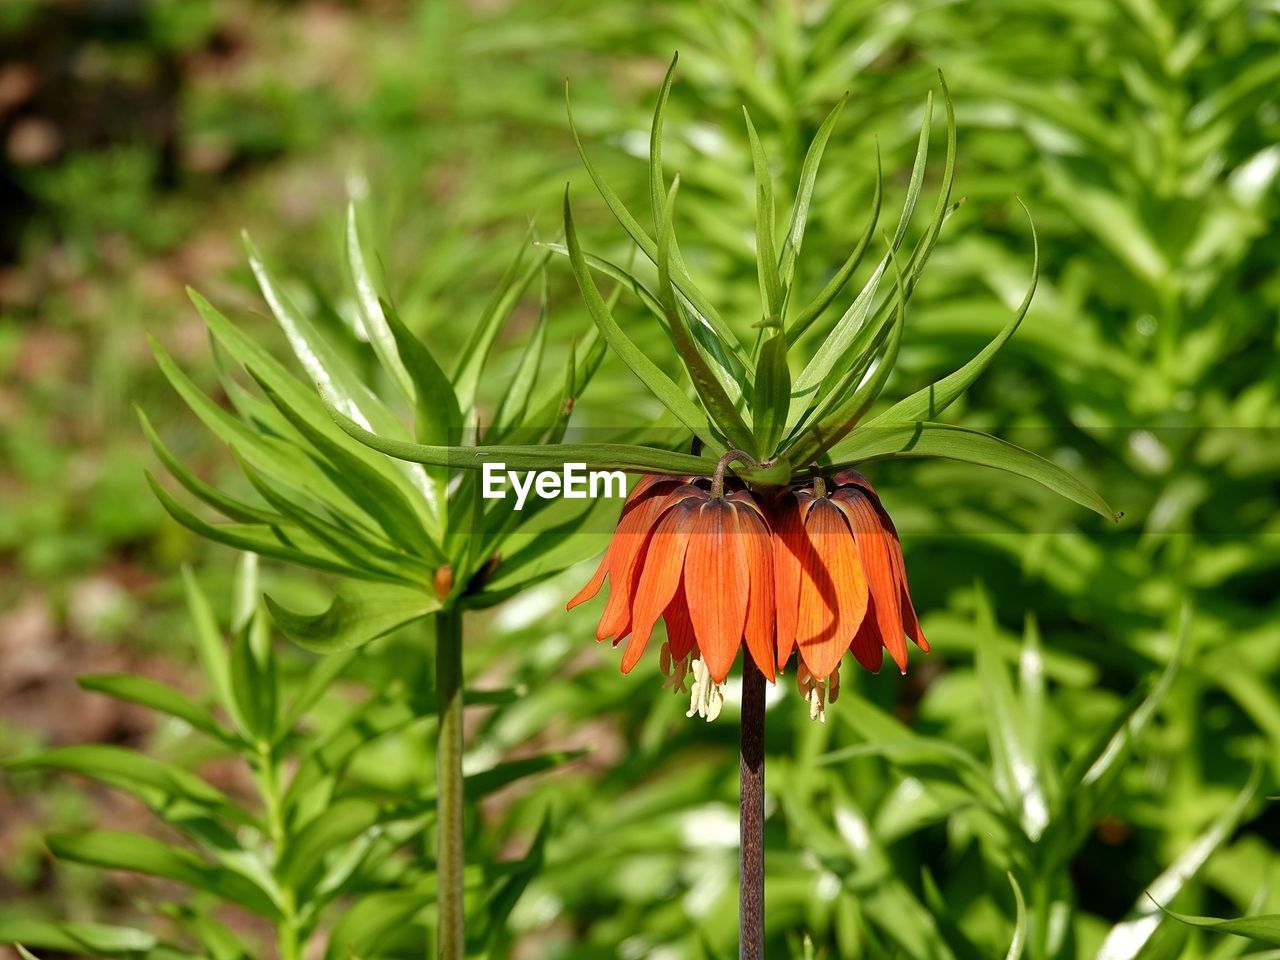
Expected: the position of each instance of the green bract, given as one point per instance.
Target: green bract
(761, 389)
(411, 539)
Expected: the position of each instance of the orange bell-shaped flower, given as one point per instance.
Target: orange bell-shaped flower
(699, 560)
(841, 579)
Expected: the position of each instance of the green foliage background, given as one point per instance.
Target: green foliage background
(1142, 136)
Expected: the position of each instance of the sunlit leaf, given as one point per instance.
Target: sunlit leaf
(142, 854)
(1260, 929)
(595, 456)
(360, 612)
(927, 403)
(1126, 939)
(947, 442)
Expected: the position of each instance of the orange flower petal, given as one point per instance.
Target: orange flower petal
(716, 585)
(645, 484)
(680, 636)
(788, 547)
(758, 550)
(663, 565)
(833, 590)
(867, 648)
(874, 552)
(907, 610)
(629, 542)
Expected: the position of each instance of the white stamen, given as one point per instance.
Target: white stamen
(818, 692)
(706, 698)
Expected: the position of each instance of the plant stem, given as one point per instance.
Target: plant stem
(717, 478)
(269, 777)
(751, 815)
(450, 852)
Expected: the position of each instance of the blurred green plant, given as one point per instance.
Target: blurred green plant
(1050, 96)
(323, 858)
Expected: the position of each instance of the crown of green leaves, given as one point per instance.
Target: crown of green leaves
(740, 393)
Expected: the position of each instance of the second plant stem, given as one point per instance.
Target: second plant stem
(289, 945)
(751, 815)
(450, 852)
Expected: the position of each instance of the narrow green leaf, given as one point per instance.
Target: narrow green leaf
(499, 776)
(772, 392)
(95, 939)
(849, 402)
(437, 416)
(595, 456)
(804, 196)
(157, 784)
(1019, 941)
(342, 822)
(327, 369)
(724, 364)
(840, 278)
(248, 537)
(371, 919)
(953, 942)
(159, 697)
(708, 387)
(834, 351)
(372, 319)
(210, 647)
(139, 853)
(942, 205)
(381, 498)
(1090, 776)
(649, 373)
(1013, 755)
(1260, 929)
(1127, 938)
(370, 552)
(212, 935)
(308, 409)
(928, 403)
(359, 613)
(649, 247)
(310, 791)
(227, 505)
(623, 276)
(657, 186)
(771, 290)
(319, 677)
(254, 680)
(515, 400)
(841, 350)
(474, 356)
(932, 760)
(947, 442)
(505, 895)
(269, 454)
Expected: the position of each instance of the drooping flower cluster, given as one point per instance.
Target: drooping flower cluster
(817, 570)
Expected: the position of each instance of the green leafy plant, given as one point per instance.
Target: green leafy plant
(409, 542)
(317, 852)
